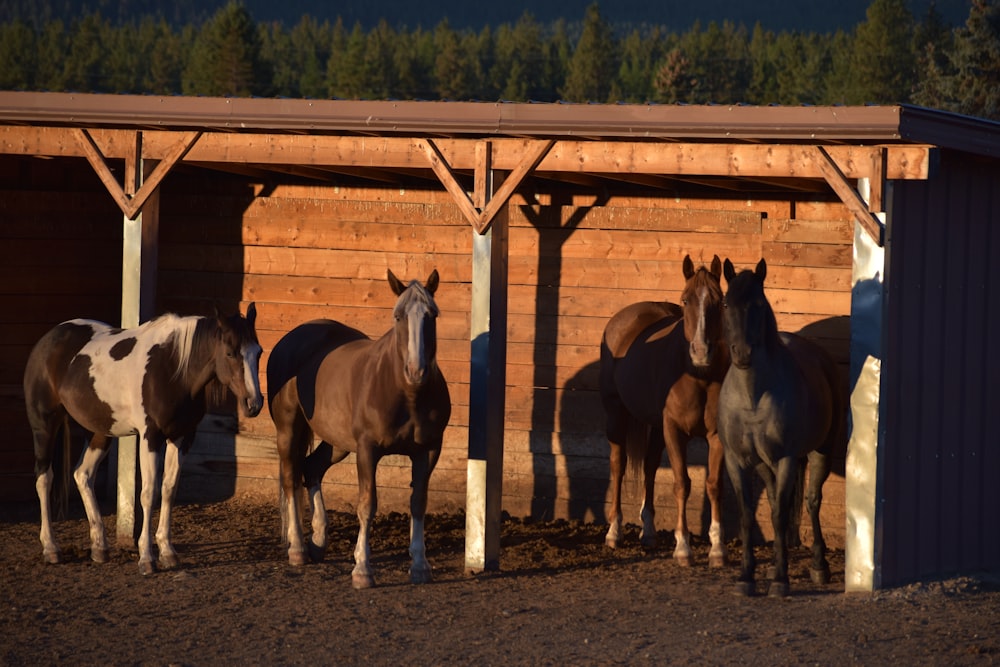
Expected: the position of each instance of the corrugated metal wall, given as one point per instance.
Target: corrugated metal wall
(941, 459)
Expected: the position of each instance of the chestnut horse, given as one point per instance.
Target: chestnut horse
(662, 367)
(780, 405)
(371, 397)
(149, 381)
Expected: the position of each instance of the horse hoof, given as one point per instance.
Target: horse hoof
(168, 561)
(648, 542)
(683, 561)
(362, 581)
(611, 543)
(778, 589)
(745, 589)
(316, 553)
(297, 558)
(420, 576)
(99, 555)
(820, 576)
(716, 560)
(51, 557)
(146, 567)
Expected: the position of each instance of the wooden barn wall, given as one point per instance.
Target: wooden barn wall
(60, 258)
(939, 388)
(305, 251)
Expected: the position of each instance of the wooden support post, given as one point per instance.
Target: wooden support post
(487, 382)
(139, 266)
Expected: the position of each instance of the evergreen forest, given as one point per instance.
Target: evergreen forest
(890, 57)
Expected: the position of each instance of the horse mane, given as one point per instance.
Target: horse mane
(183, 338)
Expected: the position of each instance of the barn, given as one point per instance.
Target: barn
(542, 220)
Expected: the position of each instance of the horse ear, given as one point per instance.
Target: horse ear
(251, 314)
(688, 267)
(761, 270)
(432, 282)
(397, 287)
(716, 267)
(729, 270)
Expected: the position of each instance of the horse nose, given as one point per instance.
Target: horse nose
(700, 352)
(416, 373)
(253, 405)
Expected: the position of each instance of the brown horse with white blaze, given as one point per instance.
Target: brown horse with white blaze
(371, 397)
(662, 366)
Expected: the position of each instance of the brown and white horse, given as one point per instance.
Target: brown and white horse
(371, 397)
(149, 381)
(662, 367)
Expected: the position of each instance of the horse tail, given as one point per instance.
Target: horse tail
(638, 438)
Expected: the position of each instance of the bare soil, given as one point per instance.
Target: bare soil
(561, 598)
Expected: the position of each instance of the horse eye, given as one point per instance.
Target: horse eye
(684, 301)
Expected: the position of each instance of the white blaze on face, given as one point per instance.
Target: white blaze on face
(415, 366)
(699, 346)
(251, 375)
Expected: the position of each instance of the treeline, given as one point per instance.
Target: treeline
(891, 57)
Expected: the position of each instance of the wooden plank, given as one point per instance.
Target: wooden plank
(808, 231)
(636, 157)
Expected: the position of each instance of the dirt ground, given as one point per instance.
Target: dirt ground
(561, 598)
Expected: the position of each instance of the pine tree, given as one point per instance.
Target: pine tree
(85, 62)
(883, 63)
(451, 74)
(18, 56)
(592, 68)
(225, 60)
(974, 88)
(166, 57)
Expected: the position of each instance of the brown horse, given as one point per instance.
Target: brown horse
(780, 405)
(149, 381)
(371, 397)
(662, 367)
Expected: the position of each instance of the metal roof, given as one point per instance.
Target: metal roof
(819, 124)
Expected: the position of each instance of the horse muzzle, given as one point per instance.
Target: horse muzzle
(252, 405)
(700, 353)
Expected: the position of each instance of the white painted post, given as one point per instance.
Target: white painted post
(139, 265)
(487, 385)
(863, 473)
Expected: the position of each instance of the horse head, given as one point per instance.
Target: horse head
(237, 359)
(702, 302)
(749, 319)
(415, 316)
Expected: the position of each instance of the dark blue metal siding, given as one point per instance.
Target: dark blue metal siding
(940, 375)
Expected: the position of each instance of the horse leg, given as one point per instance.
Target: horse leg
(84, 475)
(713, 488)
(677, 451)
(149, 459)
(423, 464)
(362, 576)
(745, 585)
(173, 459)
(819, 470)
(616, 431)
(314, 468)
(292, 439)
(785, 481)
(44, 434)
(650, 464)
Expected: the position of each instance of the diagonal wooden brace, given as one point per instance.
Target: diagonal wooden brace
(836, 179)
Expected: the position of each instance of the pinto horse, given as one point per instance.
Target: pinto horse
(780, 405)
(662, 367)
(371, 397)
(149, 381)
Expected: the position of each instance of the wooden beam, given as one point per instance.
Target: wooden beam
(447, 177)
(131, 203)
(835, 177)
(532, 157)
(902, 161)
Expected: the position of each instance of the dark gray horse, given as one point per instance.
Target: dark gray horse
(780, 405)
(372, 397)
